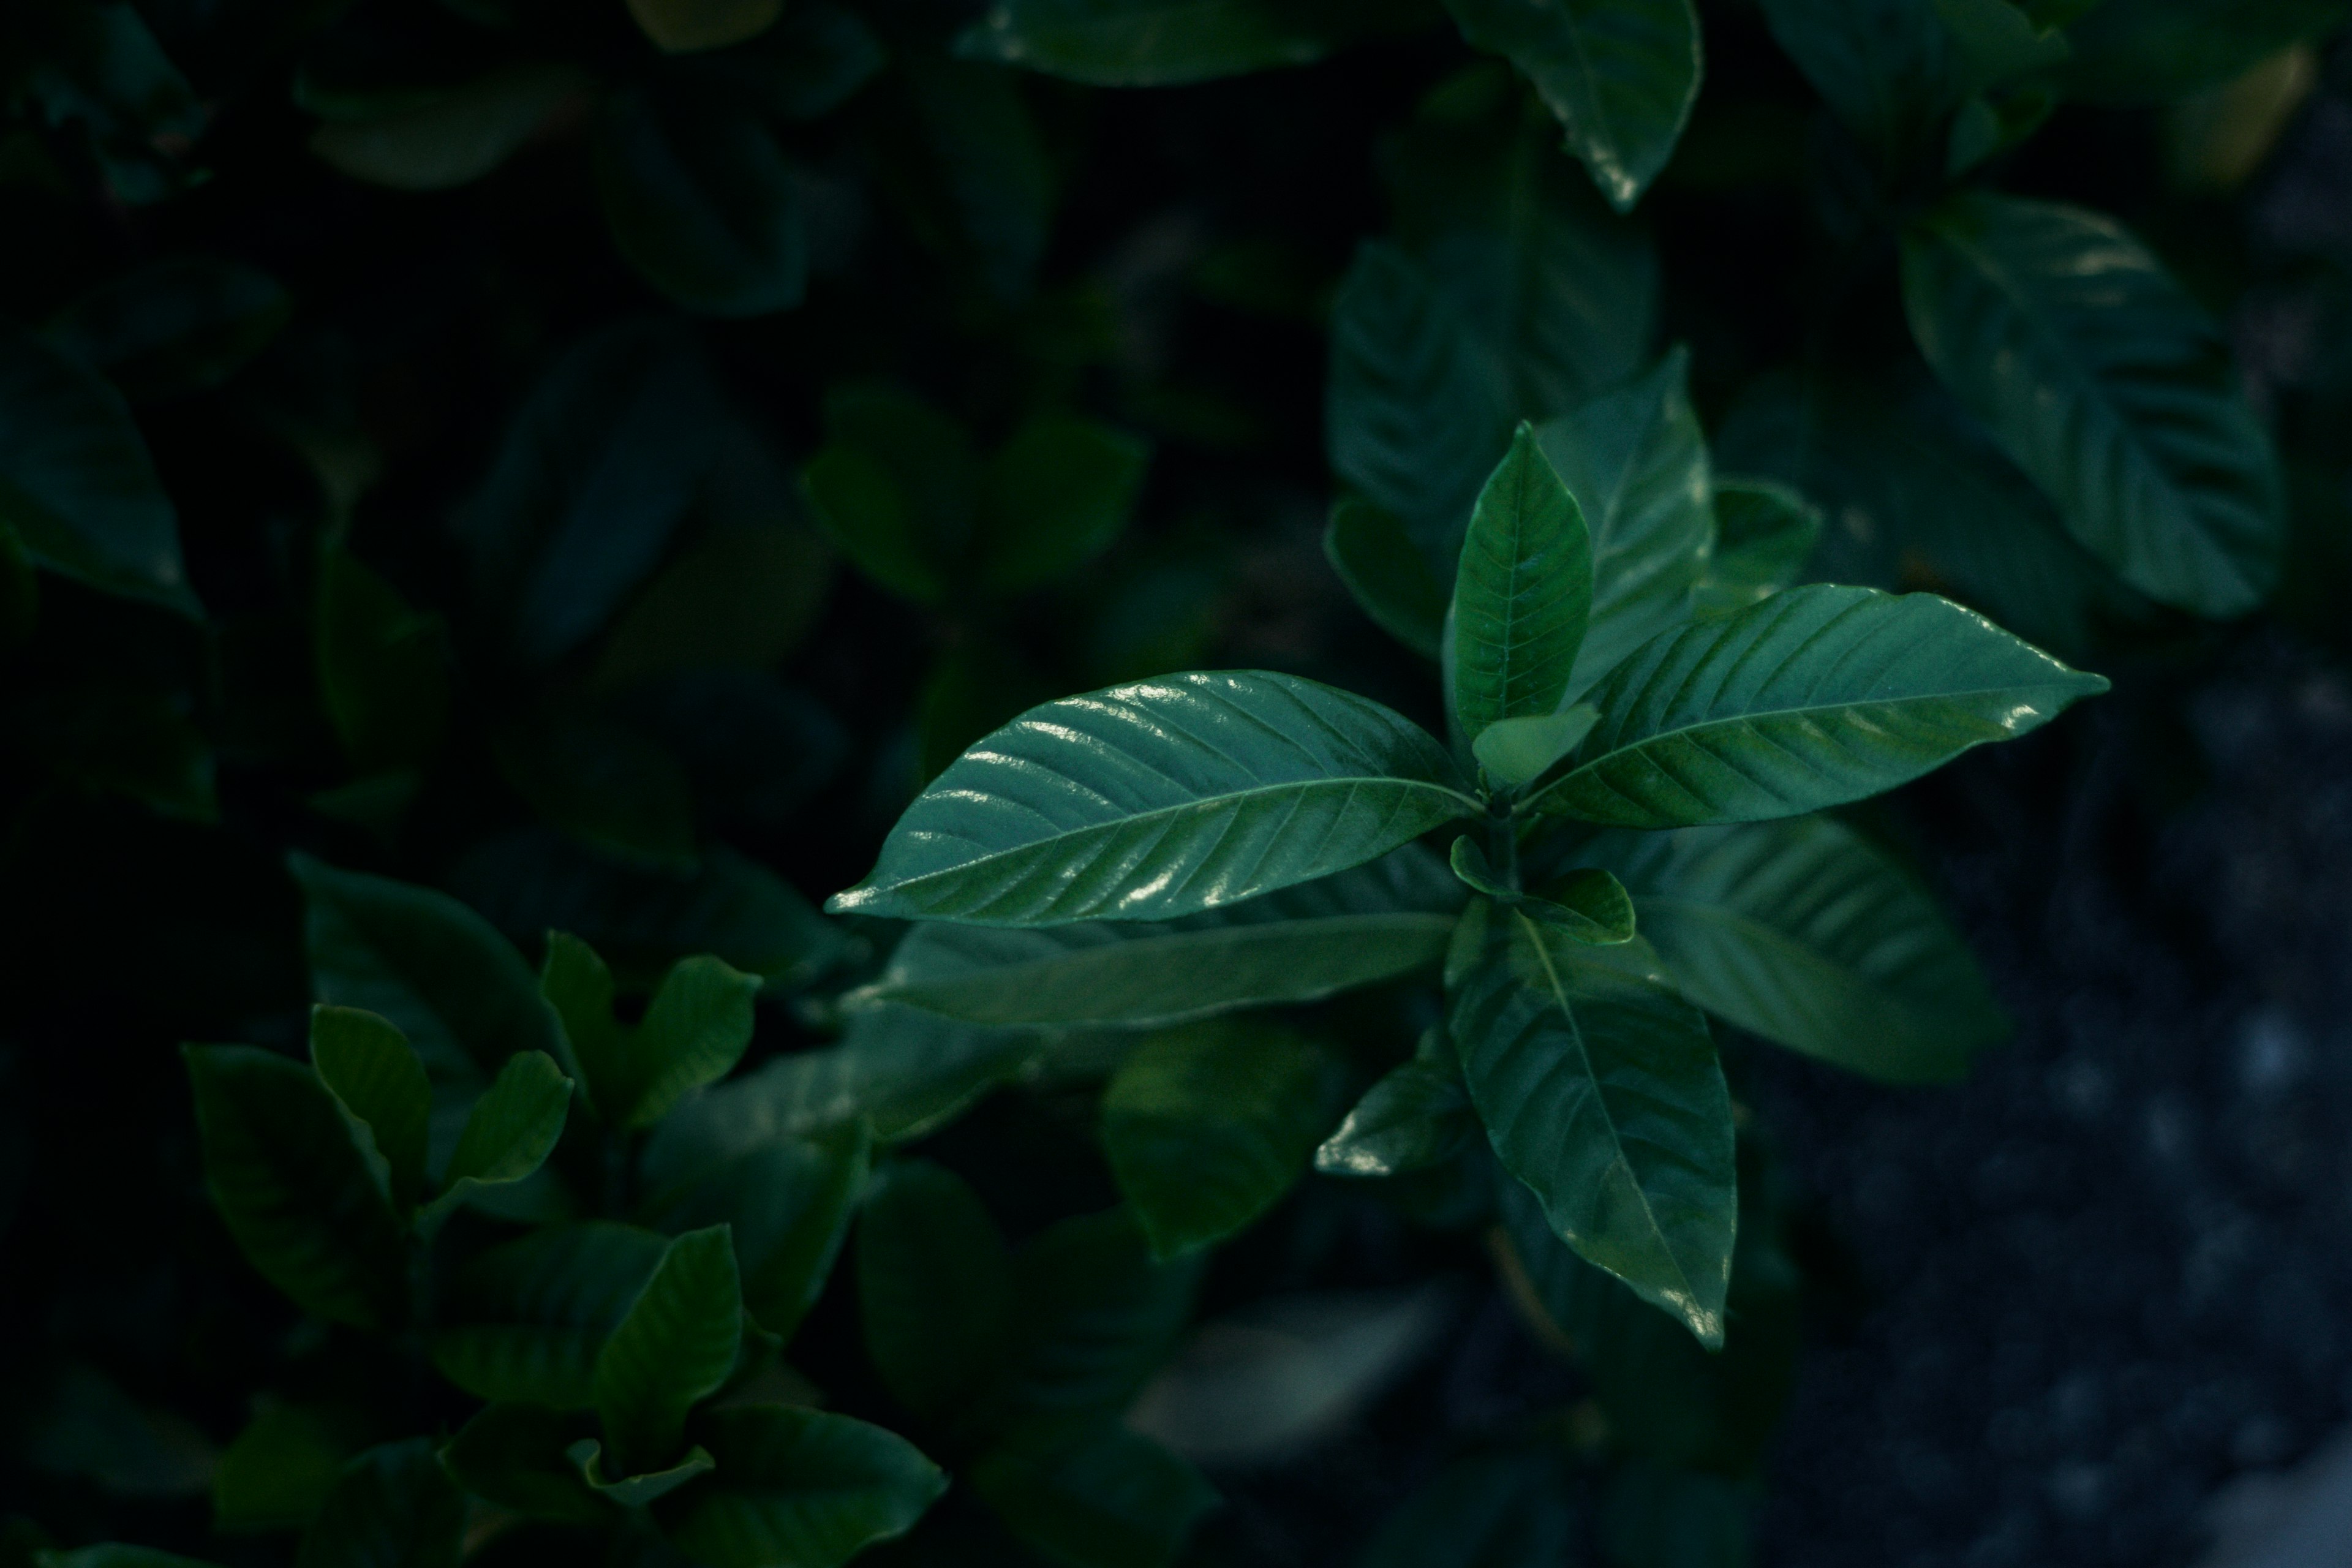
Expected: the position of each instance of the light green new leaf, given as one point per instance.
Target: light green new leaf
(1516, 751)
(1621, 76)
(1636, 462)
(1522, 595)
(172, 327)
(1415, 1116)
(1801, 931)
(1375, 555)
(443, 139)
(394, 1507)
(514, 1126)
(643, 1490)
(1815, 697)
(935, 1288)
(1096, 1316)
(1362, 925)
(797, 1487)
(367, 1065)
(524, 1322)
(513, 1455)
(1207, 1126)
(2154, 51)
(2109, 385)
(1164, 42)
(1054, 499)
(1160, 799)
(1094, 1496)
(787, 1204)
(701, 200)
(674, 1347)
(1764, 533)
(682, 25)
(693, 1032)
(1600, 1090)
(293, 1187)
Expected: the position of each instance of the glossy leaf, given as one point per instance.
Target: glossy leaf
(787, 1204)
(796, 1487)
(1522, 593)
(1094, 1497)
(293, 1188)
(2109, 385)
(1600, 1090)
(701, 201)
(1296, 945)
(1415, 1116)
(1385, 569)
(1163, 43)
(1815, 697)
(1054, 499)
(674, 1347)
(395, 1506)
(513, 1127)
(454, 137)
(367, 1063)
(679, 25)
(513, 1455)
(1504, 1509)
(935, 1286)
(693, 1032)
(1160, 799)
(524, 1322)
(172, 327)
(1620, 74)
(2154, 51)
(1764, 534)
(1587, 906)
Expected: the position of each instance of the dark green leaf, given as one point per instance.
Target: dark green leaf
(935, 1286)
(742, 596)
(1054, 499)
(643, 1490)
(524, 1322)
(108, 734)
(2109, 385)
(293, 1187)
(978, 182)
(605, 782)
(1765, 533)
(76, 485)
(383, 670)
(172, 327)
(701, 201)
(679, 25)
(787, 1204)
(513, 1127)
(114, 1554)
(1652, 1516)
(1096, 1317)
(1600, 1090)
(1163, 43)
(367, 1063)
(1516, 752)
(674, 1348)
(513, 1455)
(1094, 1496)
(895, 486)
(100, 77)
(1375, 555)
(1417, 1115)
(1505, 1508)
(1522, 593)
(2152, 51)
(278, 1471)
(452, 137)
(394, 1507)
(1160, 799)
(1585, 905)
(804, 67)
(801, 1487)
(1620, 74)
(693, 1032)
(1815, 697)
(1889, 69)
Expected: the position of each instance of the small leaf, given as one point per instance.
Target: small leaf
(515, 1125)
(1764, 534)
(1094, 1496)
(674, 1348)
(701, 201)
(693, 1032)
(935, 1286)
(1160, 799)
(787, 1204)
(394, 1505)
(1815, 697)
(1054, 499)
(293, 1188)
(1377, 558)
(524, 1322)
(367, 1063)
(679, 25)
(513, 1455)
(1206, 1127)
(1586, 906)
(1162, 42)
(799, 1487)
(640, 1491)
(1417, 1115)
(455, 137)
(1522, 593)
(173, 327)
(1516, 751)
(1621, 76)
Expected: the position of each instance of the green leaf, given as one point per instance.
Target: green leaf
(1621, 76)
(1801, 931)
(1516, 752)
(1764, 534)
(513, 1128)
(2154, 51)
(1054, 499)
(382, 668)
(1299, 944)
(278, 1471)
(1375, 555)
(513, 1455)
(114, 1554)
(1636, 462)
(1507, 1508)
(604, 780)
(1158, 799)
(1652, 1516)
(173, 327)
(524, 1322)
(1417, 1115)
(453, 137)
(976, 178)
(76, 484)
(367, 1063)
(1207, 1126)
(787, 1204)
(743, 597)
(804, 68)
(107, 733)
(1889, 69)
(935, 1286)
(394, 1507)
(1096, 1316)
(640, 1491)
(895, 487)
(1164, 42)
(674, 1347)
(1815, 697)
(693, 1032)
(1600, 1090)
(799, 1487)
(1522, 593)
(2109, 385)
(678, 26)
(293, 1188)
(1095, 1496)
(1587, 906)
(701, 201)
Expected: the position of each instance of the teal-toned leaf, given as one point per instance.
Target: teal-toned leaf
(1587, 906)
(76, 487)
(514, 1455)
(693, 1032)
(701, 201)
(172, 327)
(1415, 1116)
(1054, 499)
(1207, 1126)
(1095, 1496)
(1368, 547)
(1764, 534)
(394, 1507)
(514, 1126)
(452, 137)
(524, 1322)
(1636, 462)
(1815, 697)
(278, 1471)
(1522, 593)
(1889, 69)
(895, 486)
(1362, 925)
(1504, 1509)
(787, 1204)
(1600, 1090)
(2154, 51)
(674, 1347)
(798, 1487)
(367, 1063)
(1096, 1315)
(643, 1490)
(1516, 752)
(1621, 76)
(2109, 385)
(1653, 1517)
(935, 1286)
(1160, 799)
(113, 1554)
(679, 25)
(383, 672)
(976, 177)
(1163, 43)
(293, 1187)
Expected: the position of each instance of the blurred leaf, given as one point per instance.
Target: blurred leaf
(974, 179)
(278, 1472)
(85, 1427)
(1415, 1116)
(113, 1554)
(524, 1322)
(935, 1288)
(97, 67)
(1096, 1316)
(741, 598)
(293, 1188)
(1523, 594)
(754, 749)
(1765, 533)
(394, 1507)
(682, 24)
(1162, 42)
(1054, 499)
(2109, 385)
(1507, 1508)
(76, 485)
(801, 1486)
(1207, 1126)
(1515, 752)
(693, 1032)
(379, 1085)
(513, 1127)
(604, 781)
(976, 688)
(895, 487)
(1097, 1495)
(513, 1455)
(674, 1348)
(455, 137)
(787, 1204)
(172, 327)
(1657, 1517)
(2220, 138)
(1311, 778)
(701, 201)
(382, 671)
(1376, 557)
(108, 735)
(1889, 69)
(2152, 52)
(1620, 74)
(803, 67)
